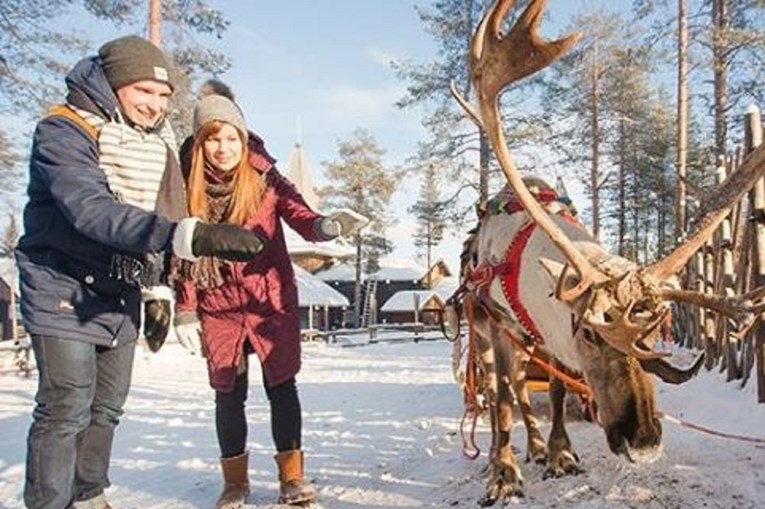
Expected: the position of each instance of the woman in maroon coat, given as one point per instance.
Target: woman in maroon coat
(247, 307)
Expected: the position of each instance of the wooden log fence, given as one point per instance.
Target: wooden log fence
(732, 263)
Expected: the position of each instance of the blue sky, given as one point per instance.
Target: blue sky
(318, 70)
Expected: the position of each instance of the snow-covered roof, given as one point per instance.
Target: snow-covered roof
(397, 269)
(400, 273)
(404, 300)
(314, 291)
(446, 287)
(339, 272)
(390, 271)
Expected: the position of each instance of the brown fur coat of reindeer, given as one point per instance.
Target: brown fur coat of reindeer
(598, 314)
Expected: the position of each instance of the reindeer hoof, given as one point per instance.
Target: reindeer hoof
(490, 499)
(487, 501)
(537, 453)
(504, 484)
(567, 463)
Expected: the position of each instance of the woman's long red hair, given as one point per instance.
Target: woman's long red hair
(248, 182)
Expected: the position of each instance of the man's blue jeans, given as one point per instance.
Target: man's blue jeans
(81, 391)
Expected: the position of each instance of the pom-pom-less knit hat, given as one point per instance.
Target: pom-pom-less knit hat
(132, 58)
(217, 107)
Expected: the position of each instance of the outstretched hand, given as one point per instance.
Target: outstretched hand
(349, 221)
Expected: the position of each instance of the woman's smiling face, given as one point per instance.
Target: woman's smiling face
(223, 149)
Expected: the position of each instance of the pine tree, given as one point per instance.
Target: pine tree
(429, 213)
(360, 181)
(575, 101)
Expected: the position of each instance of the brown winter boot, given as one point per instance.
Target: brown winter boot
(236, 484)
(292, 488)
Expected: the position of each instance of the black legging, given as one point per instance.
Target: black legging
(231, 422)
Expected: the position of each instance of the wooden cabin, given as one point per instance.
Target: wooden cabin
(413, 306)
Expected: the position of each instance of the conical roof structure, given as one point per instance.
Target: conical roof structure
(299, 173)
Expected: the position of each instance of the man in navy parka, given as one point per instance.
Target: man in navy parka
(84, 255)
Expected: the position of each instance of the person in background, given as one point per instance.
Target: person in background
(240, 308)
(85, 254)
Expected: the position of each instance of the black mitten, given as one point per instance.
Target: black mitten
(226, 241)
(156, 322)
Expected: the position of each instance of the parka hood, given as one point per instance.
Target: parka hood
(89, 90)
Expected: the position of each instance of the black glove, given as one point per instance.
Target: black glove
(226, 241)
(156, 322)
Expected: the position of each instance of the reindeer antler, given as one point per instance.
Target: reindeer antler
(624, 334)
(739, 182)
(497, 61)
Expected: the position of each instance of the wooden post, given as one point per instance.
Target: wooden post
(711, 346)
(727, 283)
(753, 128)
(699, 312)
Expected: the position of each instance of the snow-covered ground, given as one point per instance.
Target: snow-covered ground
(381, 431)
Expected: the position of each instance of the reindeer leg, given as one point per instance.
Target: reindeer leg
(486, 357)
(536, 448)
(505, 479)
(562, 459)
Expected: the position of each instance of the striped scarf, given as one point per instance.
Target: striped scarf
(133, 160)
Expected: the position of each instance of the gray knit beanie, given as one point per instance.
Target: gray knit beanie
(132, 58)
(217, 107)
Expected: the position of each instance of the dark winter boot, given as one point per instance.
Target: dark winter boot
(293, 490)
(236, 484)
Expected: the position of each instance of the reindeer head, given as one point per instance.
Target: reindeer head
(619, 306)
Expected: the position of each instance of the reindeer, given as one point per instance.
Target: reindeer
(598, 314)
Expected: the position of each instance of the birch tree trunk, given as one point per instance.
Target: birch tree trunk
(595, 126)
(155, 17)
(682, 118)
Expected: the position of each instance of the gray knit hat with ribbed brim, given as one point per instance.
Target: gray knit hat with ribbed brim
(217, 107)
(130, 59)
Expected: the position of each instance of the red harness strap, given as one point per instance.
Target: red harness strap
(480, 277)
(508, 271)
(511, 281)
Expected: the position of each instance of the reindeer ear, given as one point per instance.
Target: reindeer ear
(563, 276)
